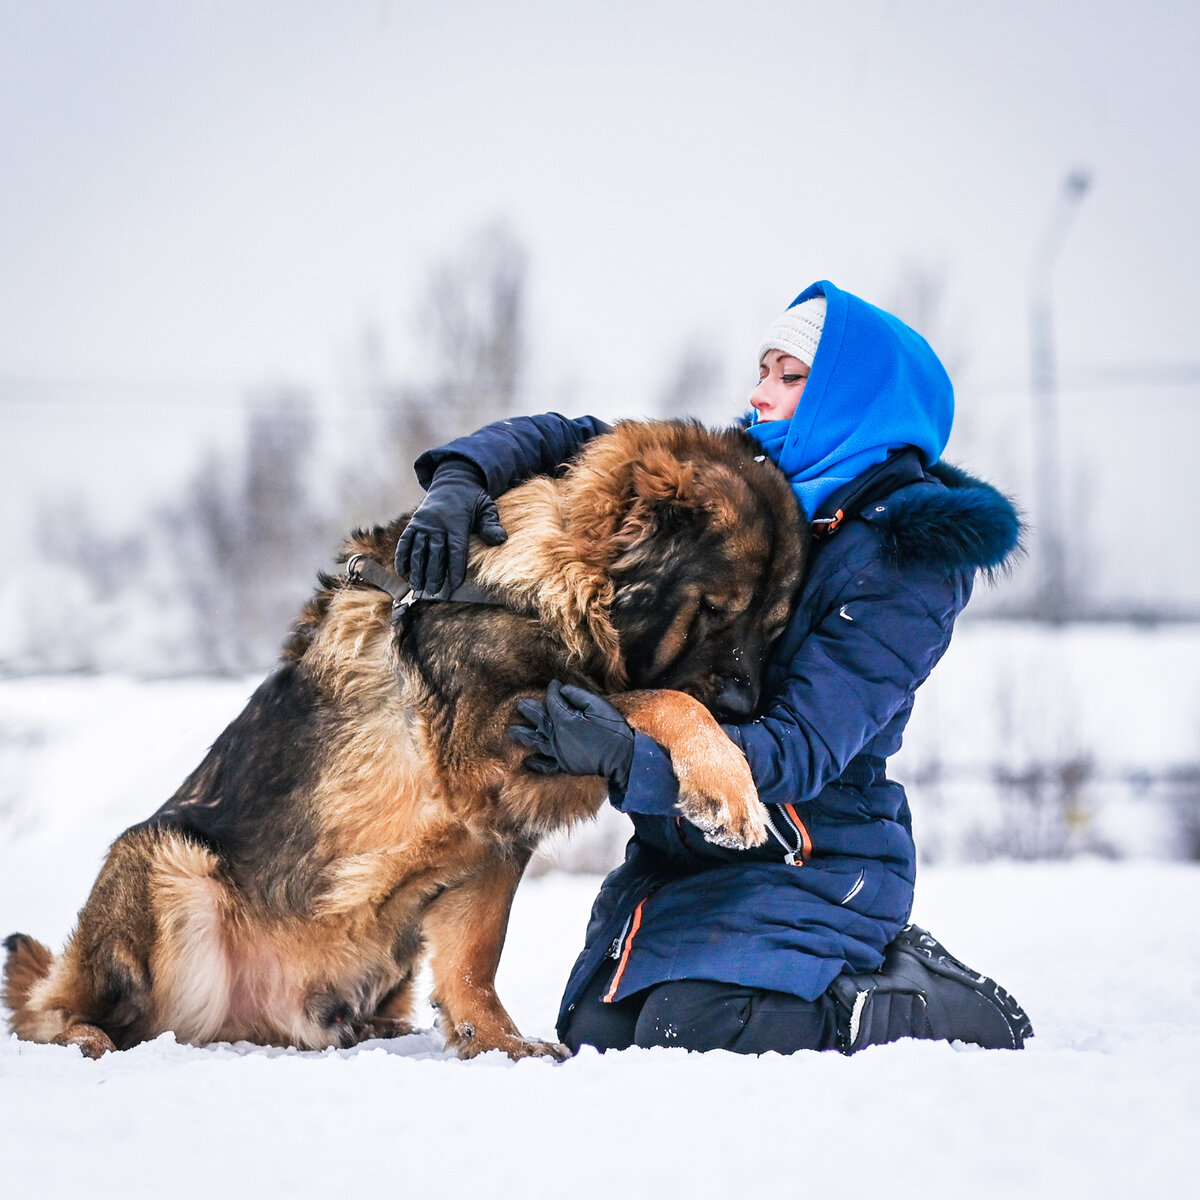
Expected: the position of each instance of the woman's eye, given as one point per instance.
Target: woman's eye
(793, 378)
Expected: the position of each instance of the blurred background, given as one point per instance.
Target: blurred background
(255, 258)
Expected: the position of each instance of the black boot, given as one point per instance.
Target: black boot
(923, 991)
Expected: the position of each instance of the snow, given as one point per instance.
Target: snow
(1105, 1101)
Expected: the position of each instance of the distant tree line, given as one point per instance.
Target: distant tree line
(212, 577)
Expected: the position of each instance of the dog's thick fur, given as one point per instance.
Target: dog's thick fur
(368, 804)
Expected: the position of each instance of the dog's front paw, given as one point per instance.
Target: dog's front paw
(716, 789)
(468, 1043)
(734, 819)
(524, 1047)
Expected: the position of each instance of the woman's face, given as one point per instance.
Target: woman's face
(781, 380)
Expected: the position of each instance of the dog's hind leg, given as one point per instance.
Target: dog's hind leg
(466, 927)
(91, 1040)
(27, 965)
(81, 999)
(97, 994)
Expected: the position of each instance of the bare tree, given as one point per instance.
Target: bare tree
(474, 317)
(245, 539)
(212, 577)
(82, 570)
(472, 322)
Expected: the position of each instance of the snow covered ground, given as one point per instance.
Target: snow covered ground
(1104, 1102)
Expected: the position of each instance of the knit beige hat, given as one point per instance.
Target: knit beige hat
(797, 332)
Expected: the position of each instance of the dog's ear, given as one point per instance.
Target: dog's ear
(661, 495)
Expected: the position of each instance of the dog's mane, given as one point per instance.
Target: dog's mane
(551, 565)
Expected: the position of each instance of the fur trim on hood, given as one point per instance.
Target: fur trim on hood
(964, 524)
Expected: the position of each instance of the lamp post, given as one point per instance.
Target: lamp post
(1052, 579)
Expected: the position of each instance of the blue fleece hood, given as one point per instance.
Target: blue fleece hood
(875, 386)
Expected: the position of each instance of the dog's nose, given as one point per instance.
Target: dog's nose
(737, 699)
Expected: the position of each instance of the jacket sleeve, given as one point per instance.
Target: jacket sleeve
(881, 633)
(509, 452)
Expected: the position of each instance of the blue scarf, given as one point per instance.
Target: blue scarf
(875, 386)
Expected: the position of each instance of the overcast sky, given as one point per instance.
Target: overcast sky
(223, 193)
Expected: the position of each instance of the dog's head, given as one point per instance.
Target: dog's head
(705, 548)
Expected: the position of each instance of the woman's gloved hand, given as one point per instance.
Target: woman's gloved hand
(432, 551)
(577, 733)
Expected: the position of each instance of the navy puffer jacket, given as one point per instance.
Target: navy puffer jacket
(834, 884)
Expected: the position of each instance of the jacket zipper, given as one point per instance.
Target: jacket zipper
(790, 851)
(796, 855)
(803, 838)
(621, 947)
(614, 951)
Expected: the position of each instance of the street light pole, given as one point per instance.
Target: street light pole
(1052, 581)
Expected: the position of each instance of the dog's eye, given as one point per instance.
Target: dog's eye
(714, 612)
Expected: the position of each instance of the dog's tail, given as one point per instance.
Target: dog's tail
(28, 962)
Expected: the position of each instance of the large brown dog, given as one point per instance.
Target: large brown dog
(368, 801)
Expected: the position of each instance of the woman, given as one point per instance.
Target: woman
(802, 943)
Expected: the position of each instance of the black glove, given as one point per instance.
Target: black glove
(575, 732)
(432, 551)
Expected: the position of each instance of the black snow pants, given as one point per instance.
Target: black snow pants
(698, 1014)
(921, 991)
